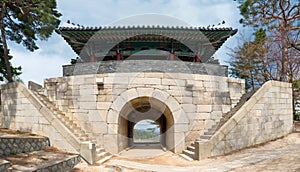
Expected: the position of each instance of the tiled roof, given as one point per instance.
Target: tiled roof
(194, 37)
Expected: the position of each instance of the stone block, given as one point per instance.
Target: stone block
(151, 81)
(173, 82)
(96, 116)
(198, 116)
(180, 117)
(88, 105)
(85, 98)
(145, 92)
(170, 75)
(216, 138)
(198, 84)
(184, 100)
(181, 128)
(189, 108)
(153, 75)
(35, 102)
(179, 140)
(112, 117)
(103, 105)
(197, 125)
(228, 126)
(118, 104)
(173, 104)
(209, 123)
(160, 95)
(99, 127)
(204, 108)
(226, 108)
(129, 94)
(112, 128)
(202, 150)
(189, 83)
(211, 84)
(111, 143)
(250, 103)
(116, 80)
(86, 91)
(117, 91)
(88, 151)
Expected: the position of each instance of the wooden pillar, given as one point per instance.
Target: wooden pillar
(92, 58)
(119, 57)
(197, 59)
(172, 55)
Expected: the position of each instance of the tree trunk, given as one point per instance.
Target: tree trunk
(3, 38)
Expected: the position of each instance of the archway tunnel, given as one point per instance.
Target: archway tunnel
(141, 109)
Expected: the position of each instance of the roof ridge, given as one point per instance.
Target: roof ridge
(143, 27)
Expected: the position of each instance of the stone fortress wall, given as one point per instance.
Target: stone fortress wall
(198, 100)
(265, 116)
(192, 104)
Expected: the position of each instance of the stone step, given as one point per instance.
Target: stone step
(207, 137)
(99, 150)
(186, 157)
(67, 121)
(209, 132)
(102, 155)
(83, 139)
(229, 114)
(199, 140)
(81, 135)
(103, 160)
(191, 148)
(74, 127)
(191, 154)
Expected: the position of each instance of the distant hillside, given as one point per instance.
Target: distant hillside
(143, 136)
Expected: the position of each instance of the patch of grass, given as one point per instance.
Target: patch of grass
(44, 159)
(24, 151)
(13, 153)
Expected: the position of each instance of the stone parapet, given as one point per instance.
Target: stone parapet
(144, 66)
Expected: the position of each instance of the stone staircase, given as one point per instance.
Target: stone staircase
(189, 153)
(101, 155)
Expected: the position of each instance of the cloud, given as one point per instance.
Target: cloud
(44, 63)
(55, 52)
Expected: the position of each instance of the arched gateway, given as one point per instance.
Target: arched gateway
(138, 104)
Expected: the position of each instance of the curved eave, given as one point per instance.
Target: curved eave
(77, 37)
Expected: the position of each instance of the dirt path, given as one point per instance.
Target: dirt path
(280, 155)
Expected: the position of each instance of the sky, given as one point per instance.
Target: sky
(47, 61)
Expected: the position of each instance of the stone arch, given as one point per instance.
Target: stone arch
(177, 120)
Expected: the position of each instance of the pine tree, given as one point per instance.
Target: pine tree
(248, 61)
(281, 16)
(3, 71)
(24, 22)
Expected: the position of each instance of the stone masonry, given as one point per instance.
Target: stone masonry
(267, 115)
(95, 100)
(103, 104)
(14, 145)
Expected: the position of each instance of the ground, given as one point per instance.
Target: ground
(50, 155)
(280, 155)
